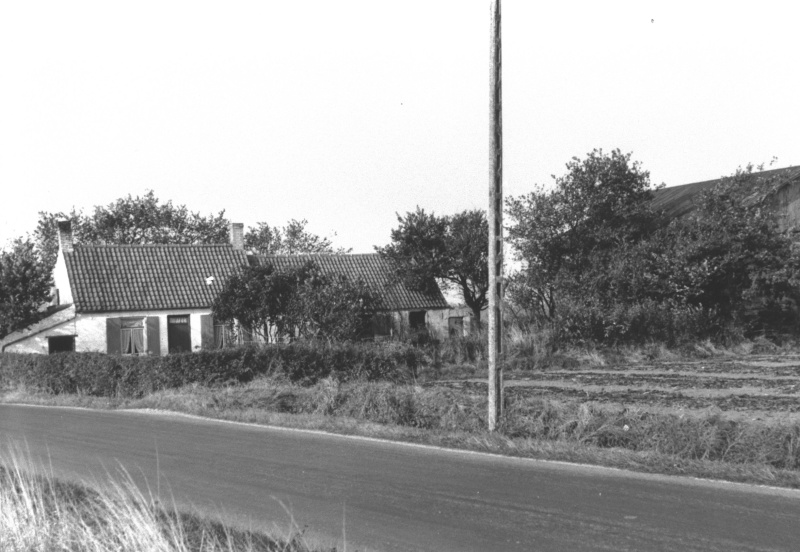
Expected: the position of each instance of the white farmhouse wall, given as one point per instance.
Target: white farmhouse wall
(38, 343)
(91, 328)
(61, 281)
(437, 322)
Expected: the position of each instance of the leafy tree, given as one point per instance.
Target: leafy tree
(292, 239)
(601, 202)
(24, 286)
(453, 250)
(132, 220)
(259, 298)
(729, 254)
(567, 236)
(332, 307)
(144, 220)
(263, 239)
(625, 273)
(297, 240)
(302, 301)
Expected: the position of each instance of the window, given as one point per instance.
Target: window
(246, 336)
(223, 335)
(131, 336)
(217, 335)
(229, 335)
(61, 344)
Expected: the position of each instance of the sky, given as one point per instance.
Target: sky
(346, 112)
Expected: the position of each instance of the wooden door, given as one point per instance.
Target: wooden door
(179, 336)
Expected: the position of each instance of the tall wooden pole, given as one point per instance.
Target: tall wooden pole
(495, 220)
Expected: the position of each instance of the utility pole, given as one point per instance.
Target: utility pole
(495, 219)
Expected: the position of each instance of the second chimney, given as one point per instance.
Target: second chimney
(237, 235)
(65, 236)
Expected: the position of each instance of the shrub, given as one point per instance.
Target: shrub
(306, 362)
(640, 322)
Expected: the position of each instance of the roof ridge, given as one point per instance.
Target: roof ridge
(767, 172)
(128, 245)
(324, 255)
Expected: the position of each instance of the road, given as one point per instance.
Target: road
(389, 496)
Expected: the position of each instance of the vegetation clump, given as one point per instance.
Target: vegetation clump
(39, 513)
(305, 302)
(601, 265)
(99, 374)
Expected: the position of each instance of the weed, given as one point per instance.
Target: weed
(41, 513)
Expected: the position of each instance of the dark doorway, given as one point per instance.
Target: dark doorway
(61, 344)
(179, 337)
(416, 320)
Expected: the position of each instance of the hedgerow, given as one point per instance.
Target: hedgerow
(99, 374)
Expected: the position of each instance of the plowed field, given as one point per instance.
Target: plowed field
(763, 386)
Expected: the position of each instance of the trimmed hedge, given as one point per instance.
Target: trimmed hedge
(99, 374)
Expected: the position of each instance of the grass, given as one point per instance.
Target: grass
(646, 408)
(40, 513)
(706, 444)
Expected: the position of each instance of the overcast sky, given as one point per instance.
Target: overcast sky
(345, 112)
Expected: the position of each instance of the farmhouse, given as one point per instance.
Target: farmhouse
(156, 299)
(779, 189)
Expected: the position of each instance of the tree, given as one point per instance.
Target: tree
(144, 220)
(623, 272)
(566, 236)
(292, 239)
(730, 254)
(24, 286)
(132, 220)
(601, 202)
(453, 250)
(332, 306)
(259, 299)
(301, 301)
(263, 239)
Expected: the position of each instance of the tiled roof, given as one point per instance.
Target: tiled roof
(374, 270)
(149, 277)
(677, 201)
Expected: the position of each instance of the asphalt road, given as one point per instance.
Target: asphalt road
(386, 496)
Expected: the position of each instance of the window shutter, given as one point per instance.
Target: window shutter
(206, 331)
(153, 336)
(113, 326)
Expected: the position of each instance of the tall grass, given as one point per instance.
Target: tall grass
(706, 436)
(43, 514)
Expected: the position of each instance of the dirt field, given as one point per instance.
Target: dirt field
(754, 387)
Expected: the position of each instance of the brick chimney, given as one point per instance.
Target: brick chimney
(237, 235)
(65, 236)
